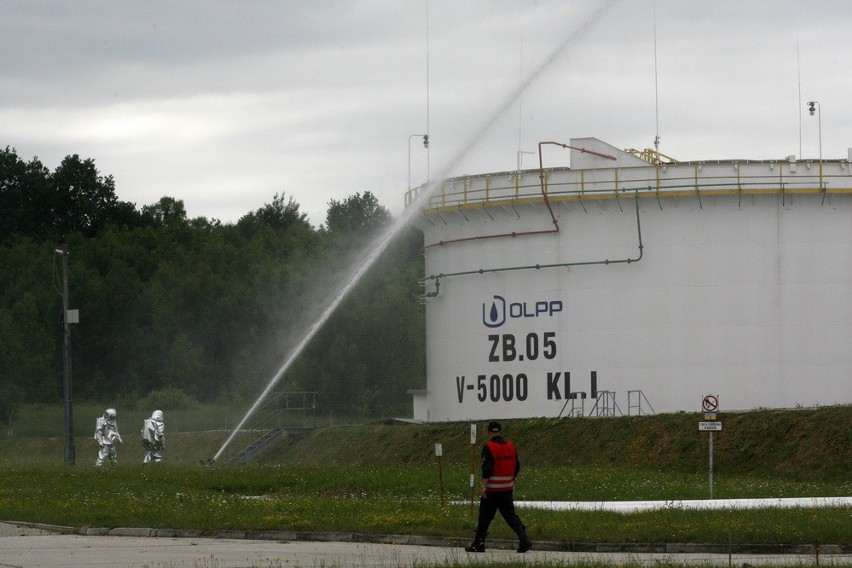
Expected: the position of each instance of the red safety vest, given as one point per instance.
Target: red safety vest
(505, 458)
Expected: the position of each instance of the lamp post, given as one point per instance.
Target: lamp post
(815, 107)
(425, 145)
(66, 359)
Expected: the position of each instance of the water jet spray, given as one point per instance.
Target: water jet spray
(382, 241)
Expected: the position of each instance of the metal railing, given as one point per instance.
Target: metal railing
(667, 180)
(635, 400)
(283, 410)
(282, 413)
(651, 156)
(605, 405)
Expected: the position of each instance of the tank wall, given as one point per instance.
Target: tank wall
(748, 297)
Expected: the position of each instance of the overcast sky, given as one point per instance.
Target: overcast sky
(224, 104)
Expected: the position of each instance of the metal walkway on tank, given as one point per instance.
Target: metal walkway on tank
(283, 414)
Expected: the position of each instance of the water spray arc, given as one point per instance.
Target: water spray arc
(334, 302)
(380, 244)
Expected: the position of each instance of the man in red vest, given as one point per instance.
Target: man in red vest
(500, 466)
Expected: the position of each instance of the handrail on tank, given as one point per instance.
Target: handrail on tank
(604, 181)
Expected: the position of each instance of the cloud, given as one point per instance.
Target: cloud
(223, 105)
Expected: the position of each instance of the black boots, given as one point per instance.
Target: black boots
(478, 544)
(524, 542)
(475, 546)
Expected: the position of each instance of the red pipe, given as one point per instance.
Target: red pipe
(543, 195)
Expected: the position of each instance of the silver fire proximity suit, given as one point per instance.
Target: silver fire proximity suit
(106, 434)
(154, 437)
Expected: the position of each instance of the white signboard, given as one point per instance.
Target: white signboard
(709, 426)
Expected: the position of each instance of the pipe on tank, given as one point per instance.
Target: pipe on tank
(629, 260)
(542, 176)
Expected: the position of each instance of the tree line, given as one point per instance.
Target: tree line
(197, 306)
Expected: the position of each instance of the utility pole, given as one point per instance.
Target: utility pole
(66, 361)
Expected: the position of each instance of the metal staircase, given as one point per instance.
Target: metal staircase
(283, 414)
(261, 443)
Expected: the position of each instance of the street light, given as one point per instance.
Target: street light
(425, 145)
(814, 106)
(68, 317)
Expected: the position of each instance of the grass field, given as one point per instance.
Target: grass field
(381, 478)
(391, 500)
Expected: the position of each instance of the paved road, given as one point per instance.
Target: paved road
(33, 547)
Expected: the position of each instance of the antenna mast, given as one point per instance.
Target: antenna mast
(799, 76)
(520, 102)
(656, 87)
(428, 150)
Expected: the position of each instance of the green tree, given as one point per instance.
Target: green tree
(28, 353)
(45, 206)
(371, 351)
(25, 197)
(357, 214)
(82, 199)
(167, 212)
(185, 366)
(207, 308)
(278, 216)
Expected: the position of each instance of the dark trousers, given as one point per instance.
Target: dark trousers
(494, 501)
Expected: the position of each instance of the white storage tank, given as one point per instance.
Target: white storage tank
(632, 284)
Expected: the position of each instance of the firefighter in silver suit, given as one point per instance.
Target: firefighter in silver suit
(154, 437)
(107, 436)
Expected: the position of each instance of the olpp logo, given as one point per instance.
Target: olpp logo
(495, 316)
(499, 310)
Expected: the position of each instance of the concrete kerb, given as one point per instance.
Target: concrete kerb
(452, 542)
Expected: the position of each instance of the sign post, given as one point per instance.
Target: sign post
(472, 465)
(68, 317)
(709, 405)
(439, 452)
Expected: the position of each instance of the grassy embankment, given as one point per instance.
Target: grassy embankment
(385, 479)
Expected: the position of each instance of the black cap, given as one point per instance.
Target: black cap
(494, 427)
